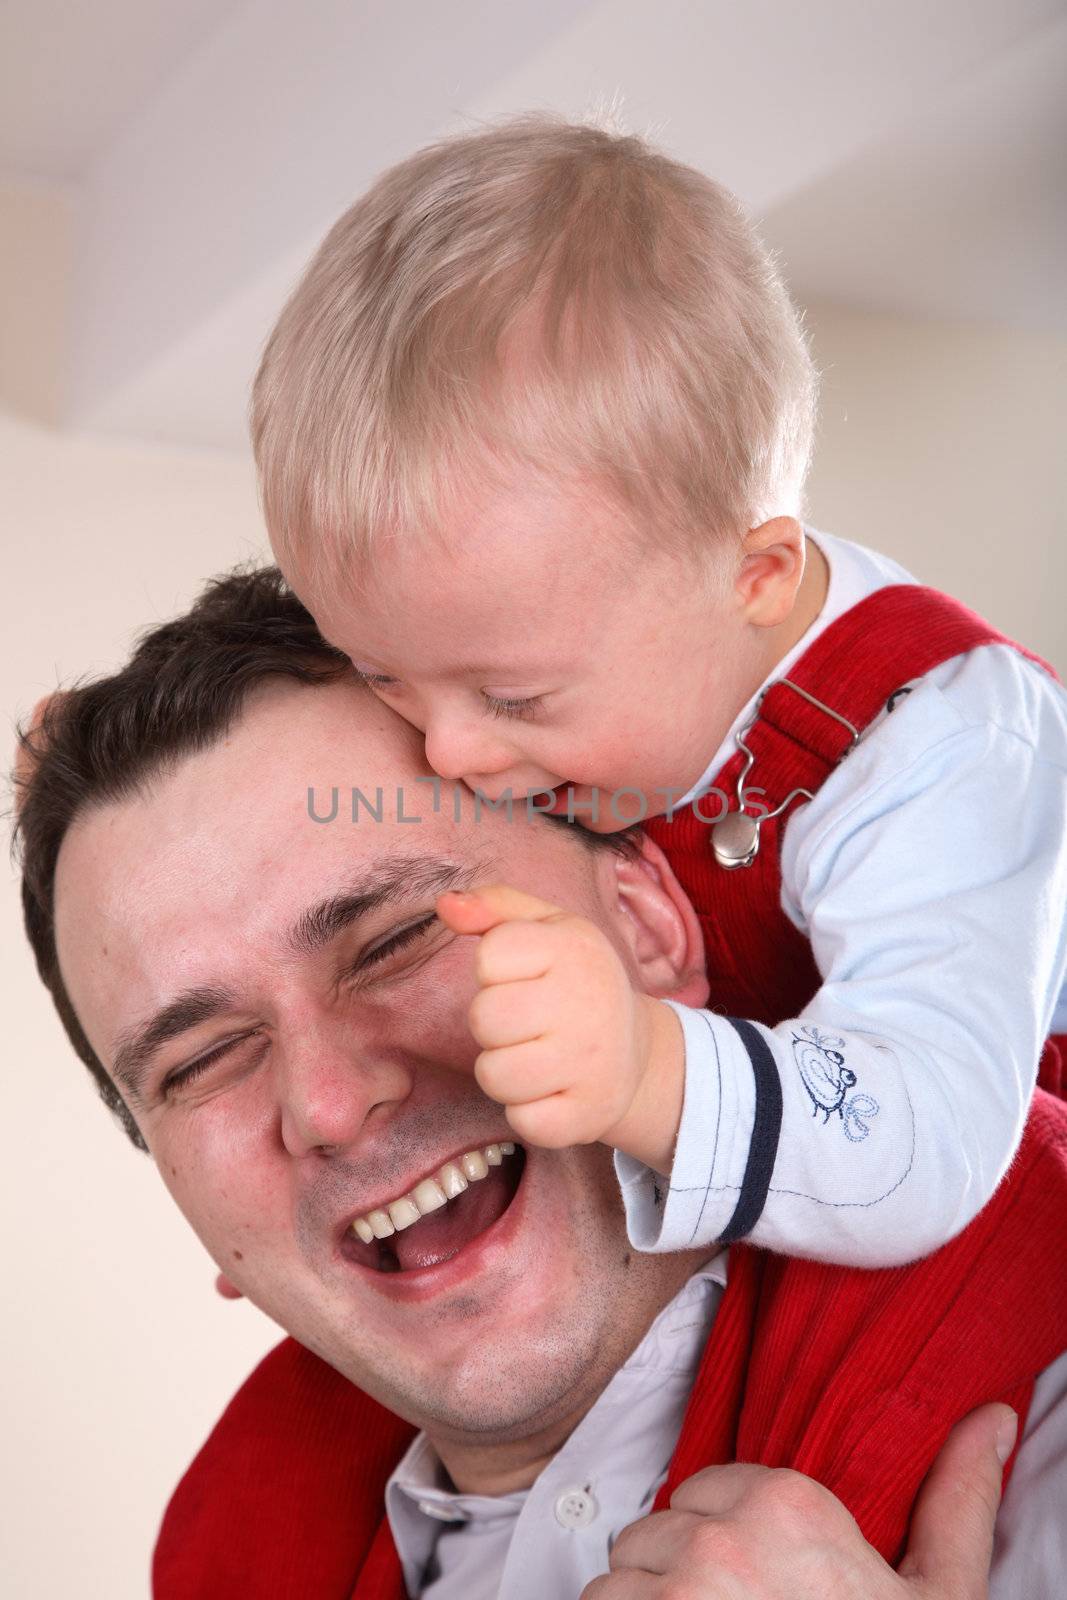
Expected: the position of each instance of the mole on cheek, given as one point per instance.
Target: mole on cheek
(237, 1256)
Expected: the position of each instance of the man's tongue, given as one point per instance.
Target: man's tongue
(444, 1233)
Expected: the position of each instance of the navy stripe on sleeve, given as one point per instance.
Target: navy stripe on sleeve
(765, 1133)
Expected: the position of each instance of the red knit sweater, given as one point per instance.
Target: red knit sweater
(852, 1377)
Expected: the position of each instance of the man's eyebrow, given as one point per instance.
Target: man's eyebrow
(403, 879)
(136, 1049)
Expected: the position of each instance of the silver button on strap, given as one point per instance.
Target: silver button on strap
(735, 837)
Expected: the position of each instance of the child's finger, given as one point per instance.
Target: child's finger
(549, 1121)
(518, 1075)
(509, 1013)
(515, 952)
(478, 910)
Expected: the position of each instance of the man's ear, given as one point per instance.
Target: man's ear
(660, 926)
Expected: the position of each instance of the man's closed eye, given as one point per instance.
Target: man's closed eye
(377, 954)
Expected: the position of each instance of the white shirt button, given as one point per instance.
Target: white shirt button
(444, 1513)
(576, 1508)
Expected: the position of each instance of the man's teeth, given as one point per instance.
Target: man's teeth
(431, 1193)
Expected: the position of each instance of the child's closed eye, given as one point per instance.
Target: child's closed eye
(526, 706)
(374, 680)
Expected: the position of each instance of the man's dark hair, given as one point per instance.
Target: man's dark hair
(182, 688)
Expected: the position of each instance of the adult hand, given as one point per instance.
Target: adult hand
(28, 747)
(751, 1533)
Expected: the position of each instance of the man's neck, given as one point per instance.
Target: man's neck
(485, 1465)
(502, 1468)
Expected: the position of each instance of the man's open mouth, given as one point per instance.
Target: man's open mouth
(440, 1215)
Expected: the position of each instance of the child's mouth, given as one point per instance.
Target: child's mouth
(565, 796)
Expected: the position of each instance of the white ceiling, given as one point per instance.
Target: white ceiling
(962, 213)
(903, 155)
(71, 76)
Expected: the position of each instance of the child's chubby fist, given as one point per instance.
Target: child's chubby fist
(571, 1050)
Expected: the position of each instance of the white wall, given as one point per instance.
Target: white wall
(946, 445)
(115, 1351)
(940, 443)
(37, 223)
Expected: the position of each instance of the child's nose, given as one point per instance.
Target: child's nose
(458, 748)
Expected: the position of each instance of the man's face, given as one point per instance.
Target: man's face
(295, 1018)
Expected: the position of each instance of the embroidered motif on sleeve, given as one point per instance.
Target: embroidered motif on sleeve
(827, 1080)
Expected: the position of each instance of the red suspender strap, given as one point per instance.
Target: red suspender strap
(877, 646)
(854, 666)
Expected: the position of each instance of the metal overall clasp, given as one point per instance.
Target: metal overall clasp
(735, 837)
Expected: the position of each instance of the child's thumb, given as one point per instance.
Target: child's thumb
(950, 1545)
(478, 910)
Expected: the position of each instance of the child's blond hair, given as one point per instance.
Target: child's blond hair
(544, 293)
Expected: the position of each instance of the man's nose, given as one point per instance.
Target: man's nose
(458, 747)
(332, 1086)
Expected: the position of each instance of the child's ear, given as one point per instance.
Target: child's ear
(661, 926)
(772, 565)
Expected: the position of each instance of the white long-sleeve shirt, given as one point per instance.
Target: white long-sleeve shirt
(551, 1539)
(930, 875)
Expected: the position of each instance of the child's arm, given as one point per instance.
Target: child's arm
(930, 874)
(873, 1127)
